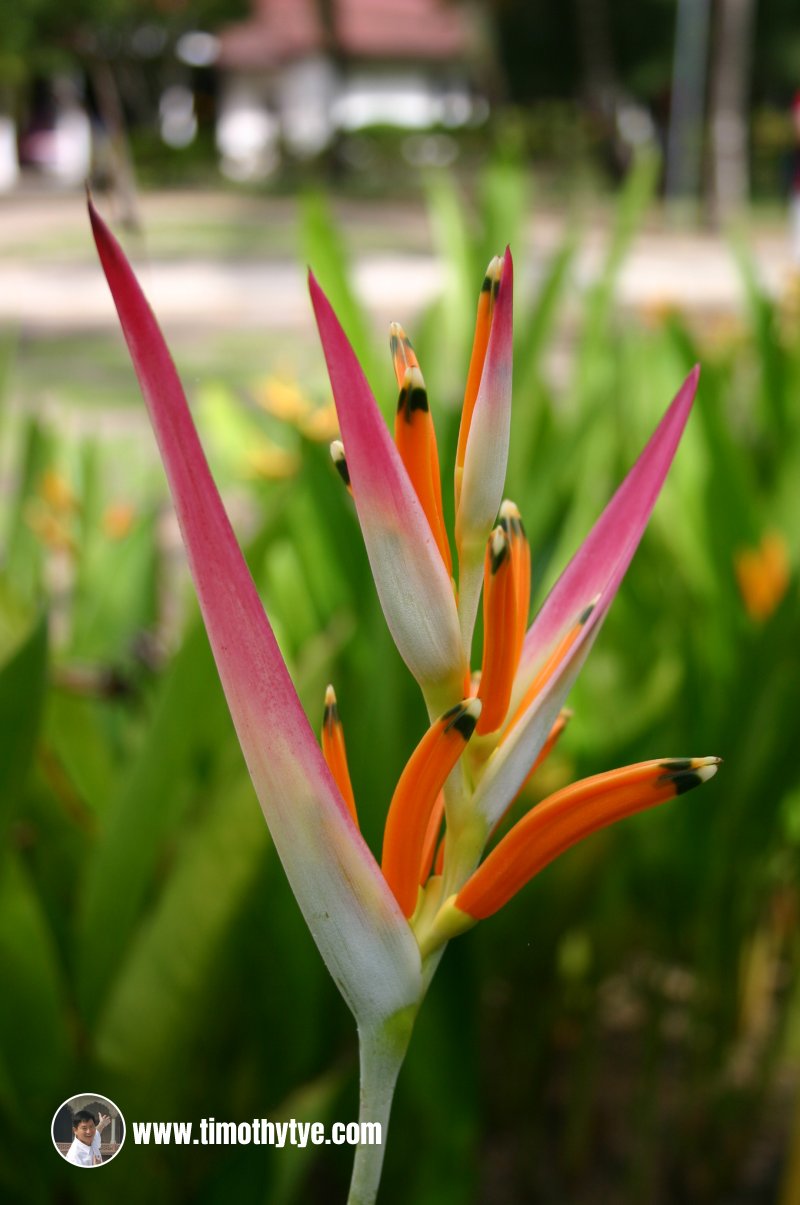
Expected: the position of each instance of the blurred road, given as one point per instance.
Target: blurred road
(49, 280)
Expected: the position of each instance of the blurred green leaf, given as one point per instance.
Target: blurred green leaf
(505, 195)
(153, 1009)
(772, 359)
(34, 1017)
(591, 363)
(189, 724)
(446, 348)
(327, 258)
(534, 330)
(23, 674)
(79, 732)
(311, 1102)
(116, 595)
(24, 555)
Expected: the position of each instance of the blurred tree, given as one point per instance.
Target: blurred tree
(559, 51)
(593, 25)
(113, 43)
(727, 185)
(751, 57)
(688, 100)
(776, 51)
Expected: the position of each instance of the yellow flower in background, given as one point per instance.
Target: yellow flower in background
(56, 491)
(118, 519)
(51, 512)
(283, 399)
(271, 462)
(763, 574)
(321, 425)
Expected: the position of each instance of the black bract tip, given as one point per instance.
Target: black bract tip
(415, 398)
(686, 781)
(680, 775)
(342, 470)
(460, 719)
(464, 724)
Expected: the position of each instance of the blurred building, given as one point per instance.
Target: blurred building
(300, 72)
(57, 138)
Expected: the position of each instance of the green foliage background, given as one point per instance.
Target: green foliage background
(626, 1030)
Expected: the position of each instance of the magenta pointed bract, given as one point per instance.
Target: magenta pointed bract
(350, 911)
(600, 563)
(413, 585)
(593, 576)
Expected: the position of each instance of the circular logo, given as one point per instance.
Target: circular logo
(88, 1130)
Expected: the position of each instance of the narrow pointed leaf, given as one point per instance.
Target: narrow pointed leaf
(361, 934)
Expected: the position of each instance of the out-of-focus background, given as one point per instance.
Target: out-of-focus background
(628, 1029)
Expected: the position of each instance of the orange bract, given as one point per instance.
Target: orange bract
(431, 837)
(415, 437)
(568, 816)
(483, 326)
(500, 643)
(415, 797)
(511, 522)
(334, 751)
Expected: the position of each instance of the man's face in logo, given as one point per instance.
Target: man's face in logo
(85, 1131)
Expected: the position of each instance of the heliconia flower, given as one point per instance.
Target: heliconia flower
(526, 672)
(381, 929)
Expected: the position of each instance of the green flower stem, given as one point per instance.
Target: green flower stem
(470, 583)
(381, 1054)
(466, 841)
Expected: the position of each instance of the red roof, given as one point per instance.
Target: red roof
(391, 30)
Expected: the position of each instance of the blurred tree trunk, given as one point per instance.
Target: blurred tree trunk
(326, 10)
(601, 90)
(109, 106)
(685, 136)
(594, 38)
(728, 177)
(327, 17)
